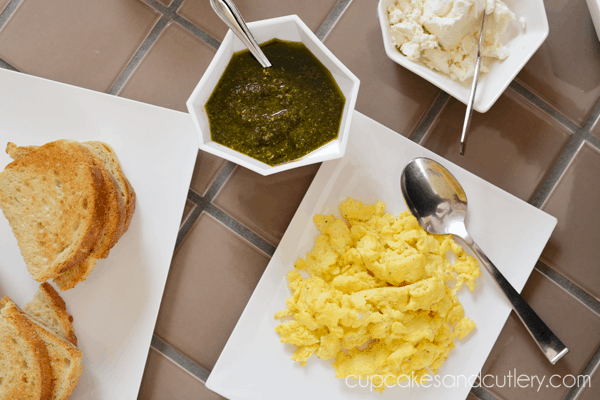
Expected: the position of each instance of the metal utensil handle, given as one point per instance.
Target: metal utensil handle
(469, 113)
(229, 13)
(546, 340)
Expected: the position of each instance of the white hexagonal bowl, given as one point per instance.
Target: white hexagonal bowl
(522, 42)
(289, 28)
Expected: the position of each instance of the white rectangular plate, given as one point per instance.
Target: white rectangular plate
(115, 309)
(255, 365)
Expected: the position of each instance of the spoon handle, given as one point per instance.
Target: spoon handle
(546, 340)
(228, 12)
(469, 112)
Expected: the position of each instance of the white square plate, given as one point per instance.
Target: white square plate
(255, 365)
(115, 309)
(522, 42)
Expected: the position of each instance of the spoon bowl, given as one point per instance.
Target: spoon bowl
(434, 196)
(438, 201)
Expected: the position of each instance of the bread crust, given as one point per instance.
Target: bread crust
(115, 219)
(37, 348)
(65, 158)
(69, 279)
(118, 213)
(47, 295)
(64, 377)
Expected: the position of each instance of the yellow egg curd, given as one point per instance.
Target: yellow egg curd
(377, 299)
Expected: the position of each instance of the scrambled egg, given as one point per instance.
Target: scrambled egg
(377, 301)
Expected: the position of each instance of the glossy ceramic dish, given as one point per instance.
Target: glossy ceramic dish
(285, 28)
(115, 309)
(522, 43)
(370, 171)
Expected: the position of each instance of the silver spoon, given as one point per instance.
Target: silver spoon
(439, 203)
(467, 123)
(229, 13)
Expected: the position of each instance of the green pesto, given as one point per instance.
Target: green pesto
(275, 114)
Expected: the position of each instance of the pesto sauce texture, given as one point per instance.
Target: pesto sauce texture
(275, 114)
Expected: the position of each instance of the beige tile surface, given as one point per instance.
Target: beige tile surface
(513, 153)
(170, 70)
(212, 276)
(164, 379)
(3, 4)
(388, 93)
(265, 204)
(206, 170)
(84, 43)
(566, 69)
(516, 351)
(200, 13)
(166, 3)
(574, 248)
(592, 391)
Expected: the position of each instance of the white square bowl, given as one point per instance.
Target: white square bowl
(290, 28)
(522, 42)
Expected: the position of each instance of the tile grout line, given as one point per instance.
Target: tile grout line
(194, 30)
(558, 170)
(138, 56)
(219, 181)
(332, 18)
(579, 138)
(547, 108)
(175, 5)
(4, 17)
(240, 229)
(573, 289)
(189, 221)
(482, 394)
(434, 111)
(201, 202)
(5, 65)
(9, 11)
(158, 7)
(179, 359)
(592, 367)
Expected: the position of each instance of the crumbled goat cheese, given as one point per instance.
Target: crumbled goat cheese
(444, 33)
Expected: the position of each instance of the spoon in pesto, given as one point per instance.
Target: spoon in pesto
(230, 14)
(436, 199)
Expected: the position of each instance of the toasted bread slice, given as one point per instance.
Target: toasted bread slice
(65, 358)
(25, 371)
(125, 193)
(115, 218)
(114, 227)
(65, 362)
(106, 152)
(55, 198)
(48, 309)
(68, 279)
